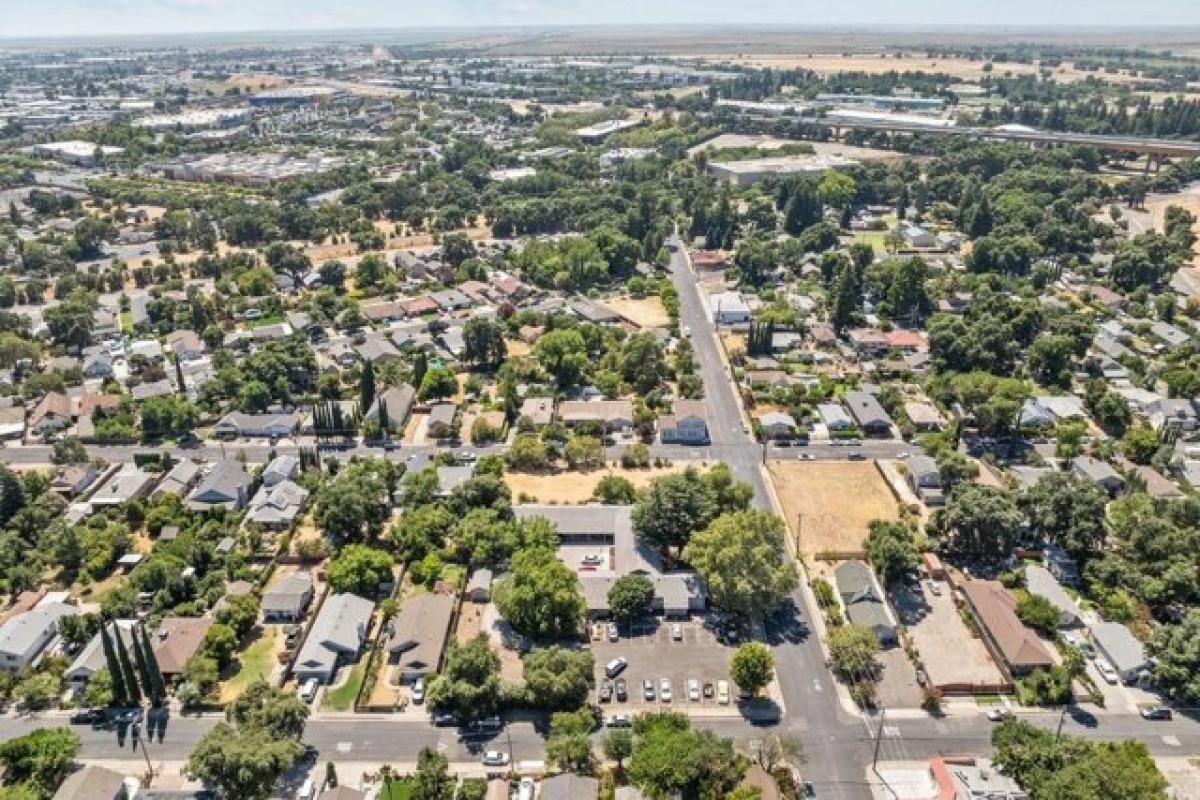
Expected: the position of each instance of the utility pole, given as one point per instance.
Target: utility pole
(1062, 717)
(878, 738)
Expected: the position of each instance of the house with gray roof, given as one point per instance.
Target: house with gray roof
(281, 468)
(277, 507)
(1123, 650)
(227, 485)
(1169, 334)
(257, 425)
(450, 478)
(1098, 472)
(335, 638)
(569, 786)
(834, 417)
(93, 782)
(124, 485)
(925, 479)
(479, 587)
(179, 480)
(23, 636)
(417, 638)
(288, 600)
(777, 424)
(399, 402)
(864, 601)
(90, 659)
(1040, 581)
(868, 414)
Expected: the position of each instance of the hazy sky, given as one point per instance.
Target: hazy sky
(48, 18)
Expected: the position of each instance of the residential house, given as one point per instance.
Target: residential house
(176, 641)
(440, 424)
(868, 414)
(676, 595)
(863, 600)
(923, 416)
(287, 601)
(610, 415)
(479, 587)
(70, 482)
(1098, 472)
(180, 480)
(277, 507)
(398, 400)
(91, 660)
(93, 782)
(1040, 581)
(834, 417)
(257, 425)
(925, 479)
(1170, 335)
(1123, 650)
(451, 477)
(281, 468)
(227, 485)
(569, 786)
(418, 634)
(538, 410)
(24, 635)
(51, 415)
(98, 365)
(124, 485)
(186, 344)
(919, 238)
(336, 636)
(148, 389)
(1016, 649)
(378, 349)
(729, 308)
(686, 424)
(777, 425)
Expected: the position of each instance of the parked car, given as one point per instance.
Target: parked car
(810, 791)
(709, 690)
(1107, 672)
(998, 714)
(526, 789)
(935, 588)
(664, 690)
(615, 667)
(87, 716)
(612, 632)
(1156, 713)
(418, 691)
(129, 716)
(677, 631)
(444, 718)
(693, 690)
(621, 691)
(495, 758)
(723, 692)
(619, 721)
(648, 690)
(606, 691)
(309, 690)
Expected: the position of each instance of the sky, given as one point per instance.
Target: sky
(50, 18)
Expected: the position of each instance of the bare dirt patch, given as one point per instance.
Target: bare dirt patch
(829, 504)
(577, 487)
(1188, 199)
(646, 312)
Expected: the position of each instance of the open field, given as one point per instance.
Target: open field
(832, 502)
(647, 312)
(577, 487)
(1188, 199)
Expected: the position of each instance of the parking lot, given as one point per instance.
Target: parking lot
(654, 654)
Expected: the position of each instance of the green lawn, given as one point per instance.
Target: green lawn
(269, 319)
(873, 238)
(342, 698)
(254, 664)
(400, 789)
(127, 322)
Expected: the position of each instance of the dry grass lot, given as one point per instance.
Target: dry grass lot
(835, 500)
(576, 487)
(647, 312)
(1190, 200)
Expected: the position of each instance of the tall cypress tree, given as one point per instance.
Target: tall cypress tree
(131, 684)
(179, 376)
(120, 693)
(367, 387)
(383, 417)
(158, 685)
(139, 661)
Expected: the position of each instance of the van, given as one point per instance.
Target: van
(615, 667)
(307, 790)
(309, 690)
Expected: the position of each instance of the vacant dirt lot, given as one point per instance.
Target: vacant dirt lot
(647, 312)
(1188, 199)
(576, 487)
(951, 654)
(832, 502)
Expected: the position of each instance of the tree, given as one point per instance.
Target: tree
(120, 692)
(37, 690)
(483, 343)
(1049, 360)
(1140, 443)
(907, 296)
(432, 780)
(366, 386)
(1067, 511)
(1176, 652)
(670, 758)
(355, 505)
(469, 686)
(563, 354)
(643, 365)
(68, 450)
(41, 758)
(583, 452)
(743, 560)
(630, 596)
(852, 649)
(836, 189)
(557, 677)
(615, 490)
(892, 551)
(158, 686)
(98, 692)
(241, 763)
(978, 522)
(360, 569)
(1038, 613)
(618, 746)
(527, 453)
(438, 382)
(540, 595)
(570, 742)
(127, 671)
(674, 507)
(280, 714)
(220, 643)
(752, 667)
(846, 296)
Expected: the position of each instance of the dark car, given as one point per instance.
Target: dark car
(708, 689)
(130, 715)
(1157, 713)
(87, 717)
(648, 689)
(621, 690)
(444, 718)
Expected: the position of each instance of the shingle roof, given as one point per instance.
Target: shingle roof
(996, 610)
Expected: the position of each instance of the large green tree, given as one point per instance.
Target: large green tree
(558, 677)
(744, 562)
(540, 596)
(469, 685)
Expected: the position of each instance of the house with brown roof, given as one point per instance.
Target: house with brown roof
(1016, 649)
(609, 414)
(51, 415)
(177, 640)
(686, 424)
(417, 638)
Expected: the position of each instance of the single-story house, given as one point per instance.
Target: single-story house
(124, 485)
(834, 417)
(729, 308)
(777, 425)
(612, 415)
(440, 423)
(1123, 650)
(1040, 581)
(925, 479)
(569, 786)
(179, 480)
(418, 634)
(676, 594)
(92, 782)
(176, 641)
(686, 424)
(277, 507)
(538, 410)
(398, 400)
(1016, 649)
(288, 600)
(24, 635)
(863, 600)
(227, 485)
(91, 660)
(450, 478)
(74, 480)
(1098, 472)
(479, 587)
(236, 423)
(924, 416)
(51, 415)
(281, 468)
(868, 413)
(336, 636)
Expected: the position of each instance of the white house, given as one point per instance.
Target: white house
(24, 636)
(686, 425)
(729, 308)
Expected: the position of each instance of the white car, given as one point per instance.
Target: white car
(935, 588)
(677, 631)
(664, 690)
(693, 690)
(687, 330)
(723, 692)
(1107, 672)
(418, 691)
(495, 758)
(613, 635)
(998, 714)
